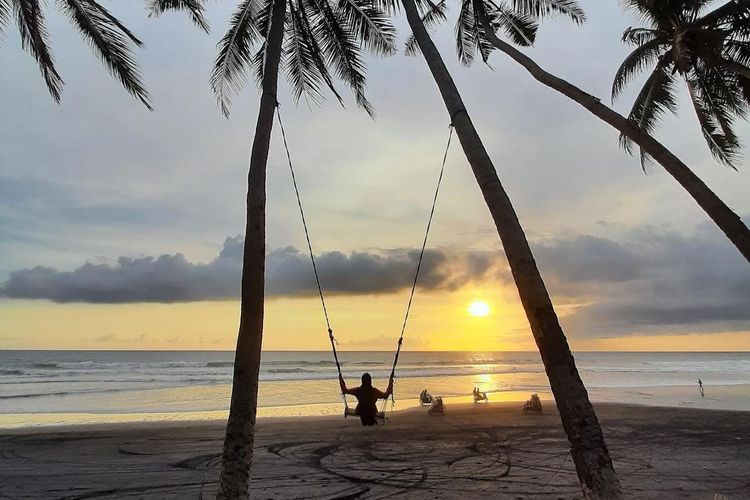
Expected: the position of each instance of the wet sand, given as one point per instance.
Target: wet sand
(474, 450)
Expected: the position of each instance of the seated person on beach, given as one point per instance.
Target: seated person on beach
(425, 397)
(479, 396)
(367, 398)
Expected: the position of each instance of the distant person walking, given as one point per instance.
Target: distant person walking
(700, 388)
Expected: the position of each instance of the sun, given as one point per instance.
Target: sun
(479, 308)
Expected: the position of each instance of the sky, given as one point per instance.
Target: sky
(121, 228)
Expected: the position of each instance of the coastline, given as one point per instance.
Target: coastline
(723, 397)
(490, 449)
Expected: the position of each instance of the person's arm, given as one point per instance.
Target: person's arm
(344, 389)
(389, 390)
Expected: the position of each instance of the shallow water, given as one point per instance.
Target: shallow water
(54, 387)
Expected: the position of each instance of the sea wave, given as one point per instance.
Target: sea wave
(12, 372)
(304, 362)
(47, 365)
(289, 370)
(220, 364)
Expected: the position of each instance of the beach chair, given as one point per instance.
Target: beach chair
(533, 405)
(437, 407)
(480, 397)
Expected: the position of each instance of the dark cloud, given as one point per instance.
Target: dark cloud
(585, 258)
(652, 282)
(172, 278)
(649, 282)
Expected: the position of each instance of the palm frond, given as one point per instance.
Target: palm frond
(482, 43)
(741, 74)
(340, 49)
(640, 36)
(715, 124)
(435, 14)
(732, 12)
(5, 10)
(655, 98)
(108, 42)
(235, 54)
(257, 66)
(301, 70)
(638, 60)
(520, 28)
(193, 7)
(34, 38)
(737, 51)
(370, 24)
(124, 29)
(316, 52)
(466, 33)
(544, 8)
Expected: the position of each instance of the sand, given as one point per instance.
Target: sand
(474, 450)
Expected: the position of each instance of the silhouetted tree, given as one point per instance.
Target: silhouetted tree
(311, 40)
(482, 23)
(588, 449)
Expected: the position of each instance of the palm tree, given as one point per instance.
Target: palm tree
(588, 449)
(482, 19)
(309, 39)
(708, 50)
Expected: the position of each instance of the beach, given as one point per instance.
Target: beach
(490, 450)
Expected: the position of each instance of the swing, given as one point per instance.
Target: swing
(348, 411)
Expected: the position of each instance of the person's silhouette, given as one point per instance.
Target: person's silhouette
(367, 398)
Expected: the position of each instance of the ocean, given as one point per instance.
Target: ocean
(79, 387)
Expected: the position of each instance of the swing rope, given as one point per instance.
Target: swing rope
(315, 267)
(421, 256)
(309, 246)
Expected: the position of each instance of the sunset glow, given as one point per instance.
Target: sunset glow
(479, 308)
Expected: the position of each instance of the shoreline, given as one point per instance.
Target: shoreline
(491, 450)
(734, 397)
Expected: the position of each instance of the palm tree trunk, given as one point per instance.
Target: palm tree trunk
(240, 433)
(588, 449)
(717, 210)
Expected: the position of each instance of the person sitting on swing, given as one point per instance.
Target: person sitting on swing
(367, 398)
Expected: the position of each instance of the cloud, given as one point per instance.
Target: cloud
(172, 278)
(654, 281)
(648, 281)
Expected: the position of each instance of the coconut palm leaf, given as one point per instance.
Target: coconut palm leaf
(108, 41)
(370, 24)
(640, 36)
(466, 33)
(301, 69)
(655, 98)
(340, 50)
(35, 39)
(742, 74)
(263, 25)
(520, 28)
(124, 29)
(317, 54)
(637, 61)
(710, 51)
(5, 13)
(543, 8)
(193, 7)
(720, 139)
(737, 51)
(235, 53)
(732, 13)
(431, 17)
